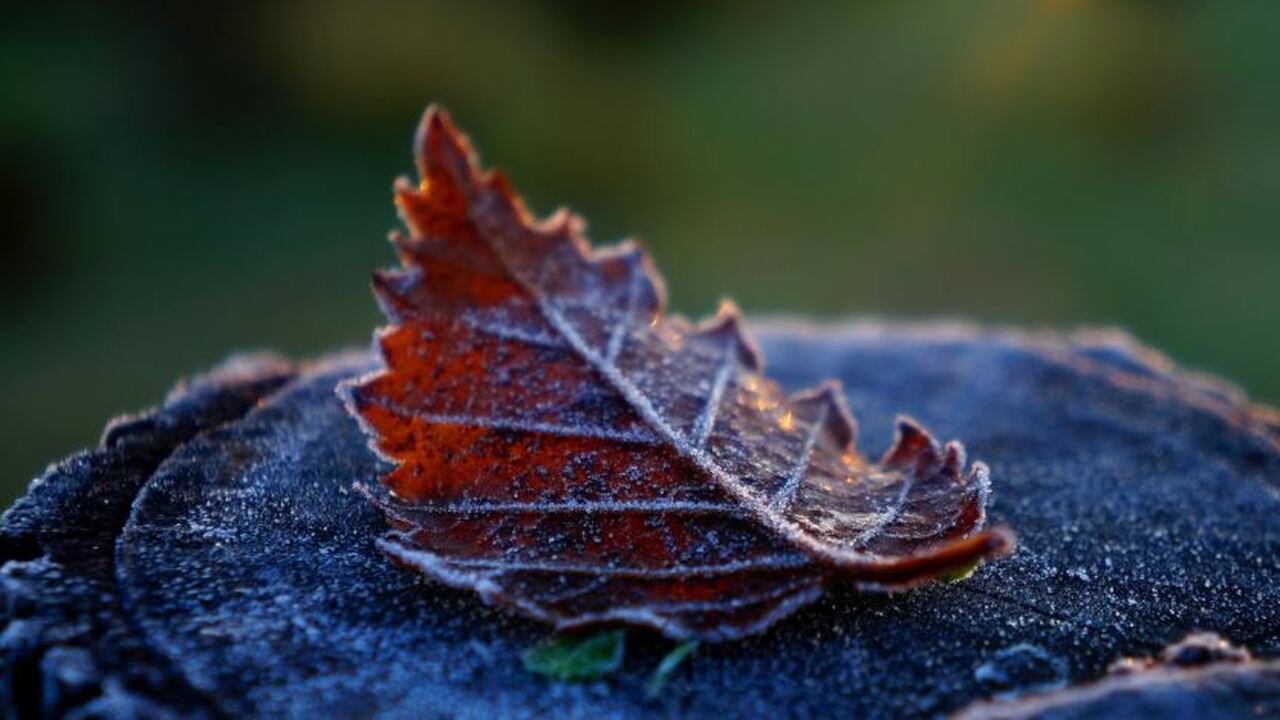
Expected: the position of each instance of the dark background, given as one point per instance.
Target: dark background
(178, 180)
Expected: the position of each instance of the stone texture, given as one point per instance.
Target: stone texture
(1146, 501)
(66, 647)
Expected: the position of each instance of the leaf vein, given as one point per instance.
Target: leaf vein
(707, 417)
(671, 506)
(515, 424)
(788, 492)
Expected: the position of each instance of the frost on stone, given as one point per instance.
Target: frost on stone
(1201, 676)
(565, 449)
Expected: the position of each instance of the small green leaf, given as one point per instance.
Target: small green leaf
(668, 665)
(960, 573)
(577, 657)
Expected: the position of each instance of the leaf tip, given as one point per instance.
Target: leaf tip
(393, 290)
(726, 326)
(827, 401)
(954, 458)
(999, 541)
(439, 146)
(913, 446)
(630, 260)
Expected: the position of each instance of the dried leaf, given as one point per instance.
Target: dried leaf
(565, 449)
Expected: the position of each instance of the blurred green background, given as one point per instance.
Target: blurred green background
(178, 180)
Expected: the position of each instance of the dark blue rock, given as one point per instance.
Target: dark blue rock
(66, 645)
(1147, 503)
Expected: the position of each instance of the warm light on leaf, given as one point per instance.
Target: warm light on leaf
(565, 449)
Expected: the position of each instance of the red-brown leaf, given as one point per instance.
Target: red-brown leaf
(565, 449)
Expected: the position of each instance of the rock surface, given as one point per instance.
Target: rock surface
(244, 579)
(1202, 677)
(66, 647)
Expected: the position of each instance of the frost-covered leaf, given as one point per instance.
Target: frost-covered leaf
(564, 448)
(578, 657)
